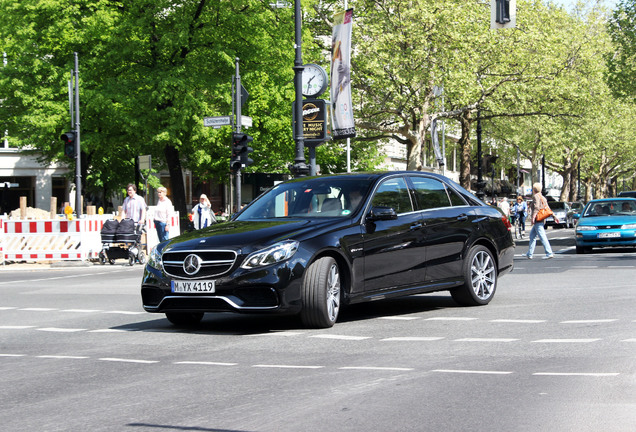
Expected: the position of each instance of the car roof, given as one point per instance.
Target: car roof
(604, 200)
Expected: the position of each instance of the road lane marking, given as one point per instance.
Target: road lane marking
(38, 309)
(113, 330)
(82, 310)
(588, 321)
(279, 333)
(518, 321)
(340, 337)
(279, 366)
(565, 340)
(12, 355)
(480, 372)
(62, 357)
(205, 363)
(378, 368)
(485, 340)
(591, 374)
(413, 339)
(450, 319)
(61, 330)
(7, 307)
(399, 318)
(628, 340)
(123, 360)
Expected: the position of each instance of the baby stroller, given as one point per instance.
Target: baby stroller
(121, 240)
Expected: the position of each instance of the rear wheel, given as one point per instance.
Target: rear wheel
(102, 257)
(141, 257)
(184, 318)
(321, 294)
(480, 278)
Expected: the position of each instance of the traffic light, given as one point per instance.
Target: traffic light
(240, 151)
(502, 14)
(69, 143)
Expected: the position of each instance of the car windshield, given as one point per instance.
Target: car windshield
(611, 208)
(318, 197)
(557, 205)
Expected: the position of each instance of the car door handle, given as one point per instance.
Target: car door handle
(462, 217)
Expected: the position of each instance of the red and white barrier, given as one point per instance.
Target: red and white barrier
(51, 240)
(59, 239)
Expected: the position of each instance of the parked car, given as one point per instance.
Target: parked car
(605, 223)
(573, 215)
(627, 194)
(309, 245)
(560, 210)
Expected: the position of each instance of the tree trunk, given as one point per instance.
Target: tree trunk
(466, 150)
(176, 179)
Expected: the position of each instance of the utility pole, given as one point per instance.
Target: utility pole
(78, 163)
(238, 130)
(480, 180)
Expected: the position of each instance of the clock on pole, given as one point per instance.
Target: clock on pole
(315, 80)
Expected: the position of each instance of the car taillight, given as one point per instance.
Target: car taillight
(506, 222)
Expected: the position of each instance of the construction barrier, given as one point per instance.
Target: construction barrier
(60, 239)
(151, 233)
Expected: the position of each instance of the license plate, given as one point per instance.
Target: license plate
(609, 235)
(178, 286)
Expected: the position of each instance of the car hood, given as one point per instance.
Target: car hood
(250, 235)
(606, 220)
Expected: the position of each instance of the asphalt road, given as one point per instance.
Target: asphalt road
(554, 351)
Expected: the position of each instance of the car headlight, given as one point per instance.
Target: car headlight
(585, 228)
(271, 255)
(154, 259)
(629, 226)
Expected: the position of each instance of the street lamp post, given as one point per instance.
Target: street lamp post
(299, 168)
(480, 180)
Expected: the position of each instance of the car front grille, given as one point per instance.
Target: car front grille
(608, 227)
(213, 263)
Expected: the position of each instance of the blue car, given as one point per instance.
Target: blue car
(606, 223)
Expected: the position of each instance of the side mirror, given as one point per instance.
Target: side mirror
(382, 213)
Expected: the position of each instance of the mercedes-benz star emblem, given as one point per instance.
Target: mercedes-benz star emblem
(191, 264)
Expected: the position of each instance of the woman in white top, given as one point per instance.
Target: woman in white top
(162, 214)
(202, 214)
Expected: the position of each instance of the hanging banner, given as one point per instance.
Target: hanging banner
(342, 111)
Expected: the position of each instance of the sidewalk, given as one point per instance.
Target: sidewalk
(23, 265)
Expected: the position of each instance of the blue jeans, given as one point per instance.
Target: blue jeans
(538, 230)
(161, 231)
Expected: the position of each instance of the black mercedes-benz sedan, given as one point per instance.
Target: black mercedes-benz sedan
(311, 245)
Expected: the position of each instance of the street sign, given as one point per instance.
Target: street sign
(217, 122)
(145, 162)
(246, 121)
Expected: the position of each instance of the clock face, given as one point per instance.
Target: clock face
(314, 80)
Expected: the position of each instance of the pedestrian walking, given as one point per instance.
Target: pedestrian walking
(134, 206)
(519, 212)
(162, 213)
(538, 202)
(202, 215)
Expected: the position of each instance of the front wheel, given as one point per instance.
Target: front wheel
(321, 294)
(480, 278)
(184, 318)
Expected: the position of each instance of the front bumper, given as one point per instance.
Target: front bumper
(272, 289)
(606, 238)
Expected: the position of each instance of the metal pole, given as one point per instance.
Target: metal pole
(238, 130)
(518, 171)
(348, 139)
(543, 191)
(480, 179)
(78, 163)
(578, 193)
(299, 169)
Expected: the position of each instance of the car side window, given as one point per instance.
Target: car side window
(393, 193)
(431, 193)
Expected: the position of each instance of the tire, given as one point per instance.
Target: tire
(131, 259)
(480, 278)
(141, 257)
(102, 258)
(582, 250)
(184, 318)
(111, 261)
(321, 294)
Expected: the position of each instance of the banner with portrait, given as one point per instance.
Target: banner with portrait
(342, 111)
